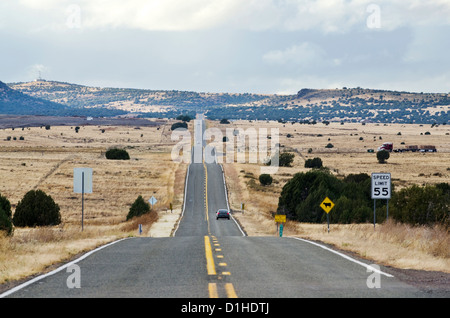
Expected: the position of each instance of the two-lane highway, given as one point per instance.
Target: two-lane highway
(209, 258)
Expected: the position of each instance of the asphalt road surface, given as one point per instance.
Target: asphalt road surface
(209, 258)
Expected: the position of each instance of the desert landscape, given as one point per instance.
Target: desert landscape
(45, 160)
(421, 248)
(40, 158)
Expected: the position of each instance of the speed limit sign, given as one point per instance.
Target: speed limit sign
(381, 185)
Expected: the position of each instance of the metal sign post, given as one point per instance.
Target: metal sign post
(279, 220)
(82, 183)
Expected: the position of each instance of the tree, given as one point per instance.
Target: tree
(36, 209)
(117, 154)
(265, 179)
(5, 205)
(138, 208)
(286, 159)
(224, 121)
(301, 196)
(5, 216)
(185, 118)
(421, 205)
(382, 156)
(182, 125)
(313, 163)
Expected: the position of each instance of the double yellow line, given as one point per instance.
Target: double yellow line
(211, 269)
(210, 264)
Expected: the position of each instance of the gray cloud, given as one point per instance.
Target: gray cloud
(264, 46)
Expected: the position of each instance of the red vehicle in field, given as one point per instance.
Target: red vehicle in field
(388, 146)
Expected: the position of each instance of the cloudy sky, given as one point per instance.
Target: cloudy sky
(255, 46)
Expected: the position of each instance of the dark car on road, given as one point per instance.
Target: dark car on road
(222, 213)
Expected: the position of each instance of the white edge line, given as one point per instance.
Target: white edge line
(34, 280)
(226, 199)
(184, 203)
(368, 267)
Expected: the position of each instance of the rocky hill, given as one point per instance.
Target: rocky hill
(308, 105)
(130, 100)
(15, 102)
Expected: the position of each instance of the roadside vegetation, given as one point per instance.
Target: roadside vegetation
(414, 205)
(416, 234)
(40, 215)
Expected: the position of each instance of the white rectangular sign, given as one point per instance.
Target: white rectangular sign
(78, 175)
(381, 185)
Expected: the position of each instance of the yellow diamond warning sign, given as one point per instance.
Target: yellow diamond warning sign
(280, 218)
(327, 205)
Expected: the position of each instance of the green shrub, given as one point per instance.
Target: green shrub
(182, 125)
(286, 159)
(36, 209)
(5, 223)
(5, 216)
(5, 205)
(265, 179)
(139, 207)
(185, 118)
(421, 205)
(301, 196)
(313, 163)
(382, 156)
(117, 154)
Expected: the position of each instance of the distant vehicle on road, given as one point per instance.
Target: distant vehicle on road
(222, 213)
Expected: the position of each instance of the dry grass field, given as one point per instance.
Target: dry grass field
(390, 244)
(45, 160)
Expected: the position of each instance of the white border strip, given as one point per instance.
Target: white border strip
(34, 280)
(184, 203)
(228, 205)
(368, 267)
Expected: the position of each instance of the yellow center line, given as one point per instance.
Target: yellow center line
(211, 268)
(212, 288)
(206, 197)
(230, 290)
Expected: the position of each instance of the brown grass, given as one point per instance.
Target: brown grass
(45, 160)
(392, 244)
